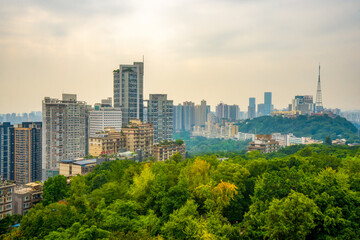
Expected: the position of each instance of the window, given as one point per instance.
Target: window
(26, 205)
(9, 206)
(26, 198)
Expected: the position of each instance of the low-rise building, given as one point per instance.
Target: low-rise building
(165, 150)
(27, 196)
(70, 167)
(240, 136)
(6, 198)
(139, 135)
(263, 144)
(107, 143)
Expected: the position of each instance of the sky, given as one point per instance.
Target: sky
(221, 51)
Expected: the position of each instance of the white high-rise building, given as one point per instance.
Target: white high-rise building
(104, 115)
(65, 132)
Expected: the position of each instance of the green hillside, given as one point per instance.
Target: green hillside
(317, 127)
(310, 192)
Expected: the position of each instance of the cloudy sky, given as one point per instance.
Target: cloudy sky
(226, 50)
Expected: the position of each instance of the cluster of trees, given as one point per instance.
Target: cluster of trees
(317, 127)
(202, 145)
(310, 192)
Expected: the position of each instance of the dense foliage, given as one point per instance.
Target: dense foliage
(317, 127)
(300, 192)
(202, 145)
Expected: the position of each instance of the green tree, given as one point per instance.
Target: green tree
(328, 140)
(292, 217)
(55, 189)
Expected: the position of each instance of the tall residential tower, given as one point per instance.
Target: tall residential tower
(65, 132)
(160, 116)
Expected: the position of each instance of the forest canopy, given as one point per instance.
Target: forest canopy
(301, 192)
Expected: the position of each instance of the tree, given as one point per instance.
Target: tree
(55, 189)
(292, 217)
(328, 140)
(183, 222)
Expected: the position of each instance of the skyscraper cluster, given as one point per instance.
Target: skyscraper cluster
(32, 151)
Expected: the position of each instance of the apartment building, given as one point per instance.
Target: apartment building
(65, 132)
(165, 150)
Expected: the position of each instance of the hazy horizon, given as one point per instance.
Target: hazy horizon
(214, 50)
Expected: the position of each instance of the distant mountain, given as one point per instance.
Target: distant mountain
(317, 127)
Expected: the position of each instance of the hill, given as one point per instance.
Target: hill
(317, 127)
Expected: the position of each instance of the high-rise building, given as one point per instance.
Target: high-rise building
(318, 105)
(160, 115)
(6, 166)
(65, 132)
(179, 117)
(234, 111)
(128, 91)
(260, 109)
(104, 115)
(189, 115)
(268, 103)
(223, 111)
(27, 154)
(252, 108)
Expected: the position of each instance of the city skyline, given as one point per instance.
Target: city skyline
(254, 47)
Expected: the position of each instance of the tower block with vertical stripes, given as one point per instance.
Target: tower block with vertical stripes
(318, 105)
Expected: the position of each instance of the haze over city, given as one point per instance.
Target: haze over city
(215, 50)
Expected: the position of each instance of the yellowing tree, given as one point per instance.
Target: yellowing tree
(223, 193)
(141, 187)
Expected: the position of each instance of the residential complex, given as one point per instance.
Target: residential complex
(263, 144)
(139, 136)
(6, 153)
(27, 152)
(129, 91)
(26, 197)
(108, 143)
(6, 198)
(21, 152)
(166, 149)
(216, 130)
(65, 132)
(160, 116)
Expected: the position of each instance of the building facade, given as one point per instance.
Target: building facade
(129, 91)
(268, 107)
(6, 198)
(304, 104)
(179, 117)
(252, 108)
(65, 132)
(189, 115)
(166, 150)
(26, 197)
(103, 116)
(139, 136)
(6, 152)
(160, 116)
(263, 144)
(27, 154)
(108, 143)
